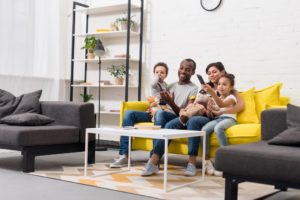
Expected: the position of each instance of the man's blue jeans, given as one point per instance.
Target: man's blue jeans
(131, 117)
(194, 123)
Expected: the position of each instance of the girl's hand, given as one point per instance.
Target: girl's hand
(217, 112)
(212, 105)
(208, 89)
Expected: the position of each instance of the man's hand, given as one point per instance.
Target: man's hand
(167, 97)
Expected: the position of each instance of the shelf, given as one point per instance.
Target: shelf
(106, 9)
(111, 34)
(104, 86)
(105, 60)
(108, 112)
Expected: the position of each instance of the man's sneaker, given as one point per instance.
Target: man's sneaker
(218, 173)
(120, 162)
(150, 169)
(209, 167)
(190, 170)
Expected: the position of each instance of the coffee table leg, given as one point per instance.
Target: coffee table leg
(166, 166)
(203, 155)
(86, 152)
(129, 153)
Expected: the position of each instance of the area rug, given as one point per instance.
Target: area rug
(99, 175)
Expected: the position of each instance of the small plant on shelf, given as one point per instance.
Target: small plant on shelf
(90, 44)
(118, 72)
(121, 23)
(86, 97)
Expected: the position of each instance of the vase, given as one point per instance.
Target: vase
(90, 55)
(119, 81)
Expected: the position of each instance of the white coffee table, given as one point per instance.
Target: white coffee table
(164, 134)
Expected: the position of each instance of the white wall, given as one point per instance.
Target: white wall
(257, 40)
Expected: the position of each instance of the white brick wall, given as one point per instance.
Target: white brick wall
(258, 40)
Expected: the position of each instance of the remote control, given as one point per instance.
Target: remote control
(200, 79)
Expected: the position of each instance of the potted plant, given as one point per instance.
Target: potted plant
(86, 97)
(118, 72)
(121, 23)
(90, 44)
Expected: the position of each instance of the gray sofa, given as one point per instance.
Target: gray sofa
(66, 134)
(261, 162)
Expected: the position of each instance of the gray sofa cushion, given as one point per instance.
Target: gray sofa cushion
(38, 135)
(260, 160)
(29, 103)
(289, 137)
(26, 119)
(8, 103)
(292, 116)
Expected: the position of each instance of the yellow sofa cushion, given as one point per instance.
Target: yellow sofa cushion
(132, 105)
(269, 95)
(248, 115)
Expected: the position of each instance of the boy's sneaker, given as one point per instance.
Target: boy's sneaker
(209, 167)
(218, 173)
(190, 170)
(120, 162)
(150, 169)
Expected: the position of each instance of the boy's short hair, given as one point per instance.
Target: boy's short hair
(163, 65)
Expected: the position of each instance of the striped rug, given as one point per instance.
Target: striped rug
(99, 175)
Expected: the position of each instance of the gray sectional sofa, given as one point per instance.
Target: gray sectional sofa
(66, 134)
(261, 162)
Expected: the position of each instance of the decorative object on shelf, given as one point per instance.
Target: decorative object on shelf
(210, 5)
(87, 97)
(85, 83)
(121, 23)
(104, 30)
(90, 44)
(105, 82)
(120, 56)
(118, 72)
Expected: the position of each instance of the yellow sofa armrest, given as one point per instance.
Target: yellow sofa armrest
(284, 100)
(132, 105)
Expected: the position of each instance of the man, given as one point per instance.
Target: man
(178, 98)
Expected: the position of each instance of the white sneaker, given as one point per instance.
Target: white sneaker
(150, 169)
(209, 167)
(190, 170)
(218, 173)
(120, 162)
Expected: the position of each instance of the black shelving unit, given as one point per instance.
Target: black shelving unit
(75, 6)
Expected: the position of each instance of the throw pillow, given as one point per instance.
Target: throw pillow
(248, 115)
(292, 116)
(29, 103)
(269, 95)
(8, 103)
(289, 137)
(26, 119)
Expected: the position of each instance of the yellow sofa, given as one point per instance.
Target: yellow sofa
(247, 130)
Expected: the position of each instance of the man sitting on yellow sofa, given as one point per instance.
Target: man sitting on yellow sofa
(181, 91)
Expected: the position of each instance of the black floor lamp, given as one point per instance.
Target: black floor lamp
(99, 51)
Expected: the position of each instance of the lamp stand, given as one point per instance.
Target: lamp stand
(98, 145)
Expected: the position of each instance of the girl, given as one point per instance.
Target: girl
(225, 101)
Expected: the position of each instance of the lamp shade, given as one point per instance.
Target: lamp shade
(99, 49)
